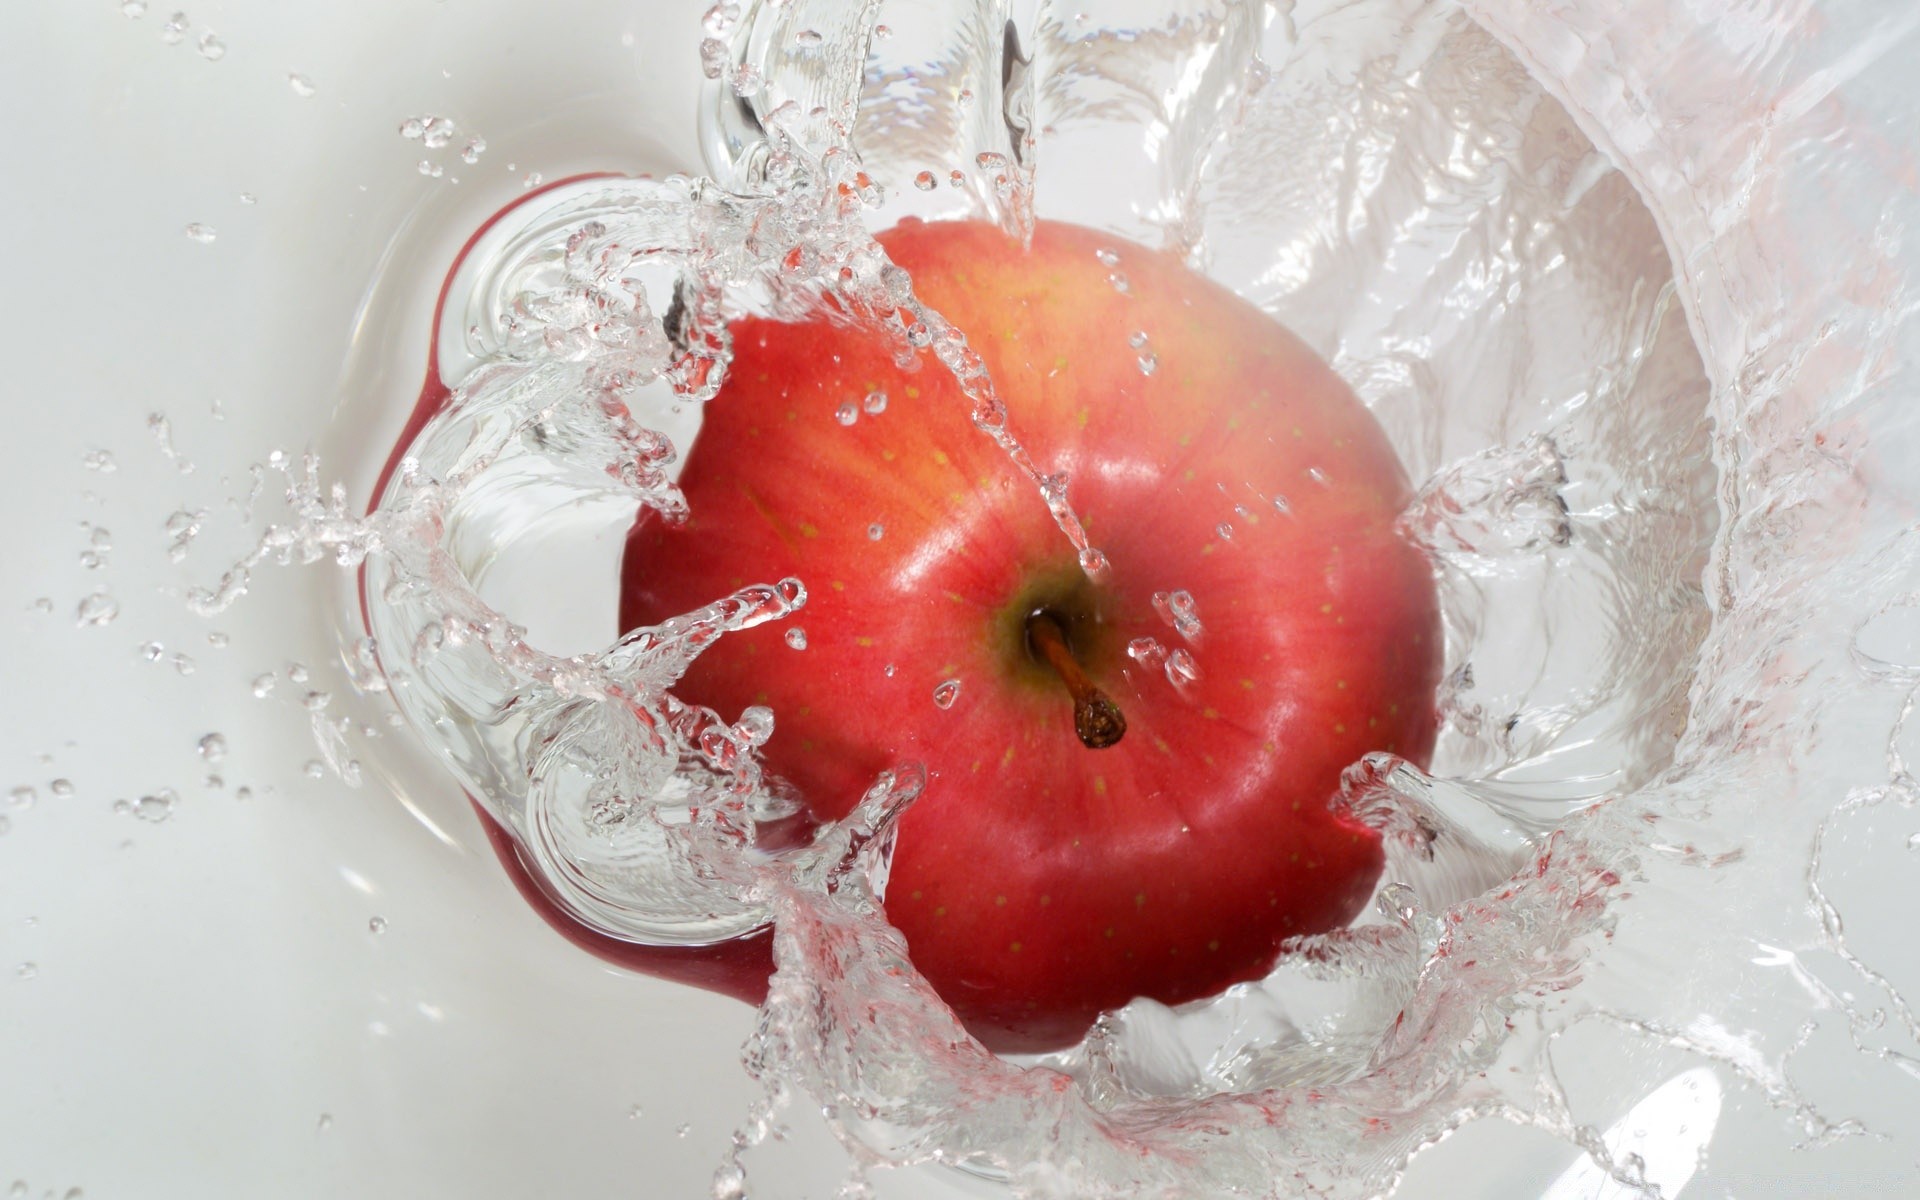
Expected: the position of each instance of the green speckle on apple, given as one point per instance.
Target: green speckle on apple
(1021, 880)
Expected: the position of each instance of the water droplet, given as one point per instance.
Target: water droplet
(301, 85)
(27, 970)
(184, 665)
(1146, 651)
(1148, 362)
(532, 179)
(1137, 339)
(97, 609)
(471, 152)
(683, 1129)
(875, 403)
(636, 1112)
(19, 1187)
(43, 604)
(808, 38)
(243, 793)
(324, 1123)
(175, 30)
(431, 169)
(1182, 668)
(315, 769)
(297, 672)
(1318, 476)
(946, 694)
(925, 181)
(204, 234)
(61, 788)
(101, 461)
(376, 925)
(133, 10)
(217, 640)
(847, 413)
(248, 199)
(888, 670)
(1119, 282)
(316, 701)
(23, 797)
(883, 32)
(212, 48)
(157, 807)
(436, 132)
(1108, 258)
(1913, 842)
(412, 128)
(1093, 562)
(91, 560)
(956, 179)
(876, 531)
(263, 686)
(213, 747)
(797, 638)
(1225, 530)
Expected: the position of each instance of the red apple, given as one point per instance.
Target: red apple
(1040, 880)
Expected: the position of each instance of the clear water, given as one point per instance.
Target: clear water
(1669, 510)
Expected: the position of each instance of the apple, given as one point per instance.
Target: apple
(1131, 776)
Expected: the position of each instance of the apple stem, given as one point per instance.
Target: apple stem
(1095, 718)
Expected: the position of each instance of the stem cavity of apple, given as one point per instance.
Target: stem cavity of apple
(1096, 718)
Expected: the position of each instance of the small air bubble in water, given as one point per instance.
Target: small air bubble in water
(133, 10)
(436, 132)
(175, 30)
(1913, 842)
(889, 670)
(101, 461)
(956, 179)
(315, 769)
(97, 609)
(213, 747)
(153, 652)
(683, 1129)
(431, 169)
(23, 797)
(532, 179)
(248, 199)
(808, 38)
(202, 233)
(1137, 339)
(1148, 362)
(212, 48)
(43, 604)
(297, 672)
(876, 531)
(797, 638)
(1119, 282)
(1225, 530)
(1108, 258)
(301, 85)
(61, 788)
(946, 694)
(27, 970)
(218, 640)
(925, 181)
(413, 128)
(875, 403)
(847, 413)
(263, 686)
(1182, 668)
(376, 924)
(184, 664)
(471, 152)
(157, 807)
(324, 1123)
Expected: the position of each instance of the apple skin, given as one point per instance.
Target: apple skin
(1039, 882)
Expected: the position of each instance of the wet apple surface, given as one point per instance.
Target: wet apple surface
(1046, 876)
